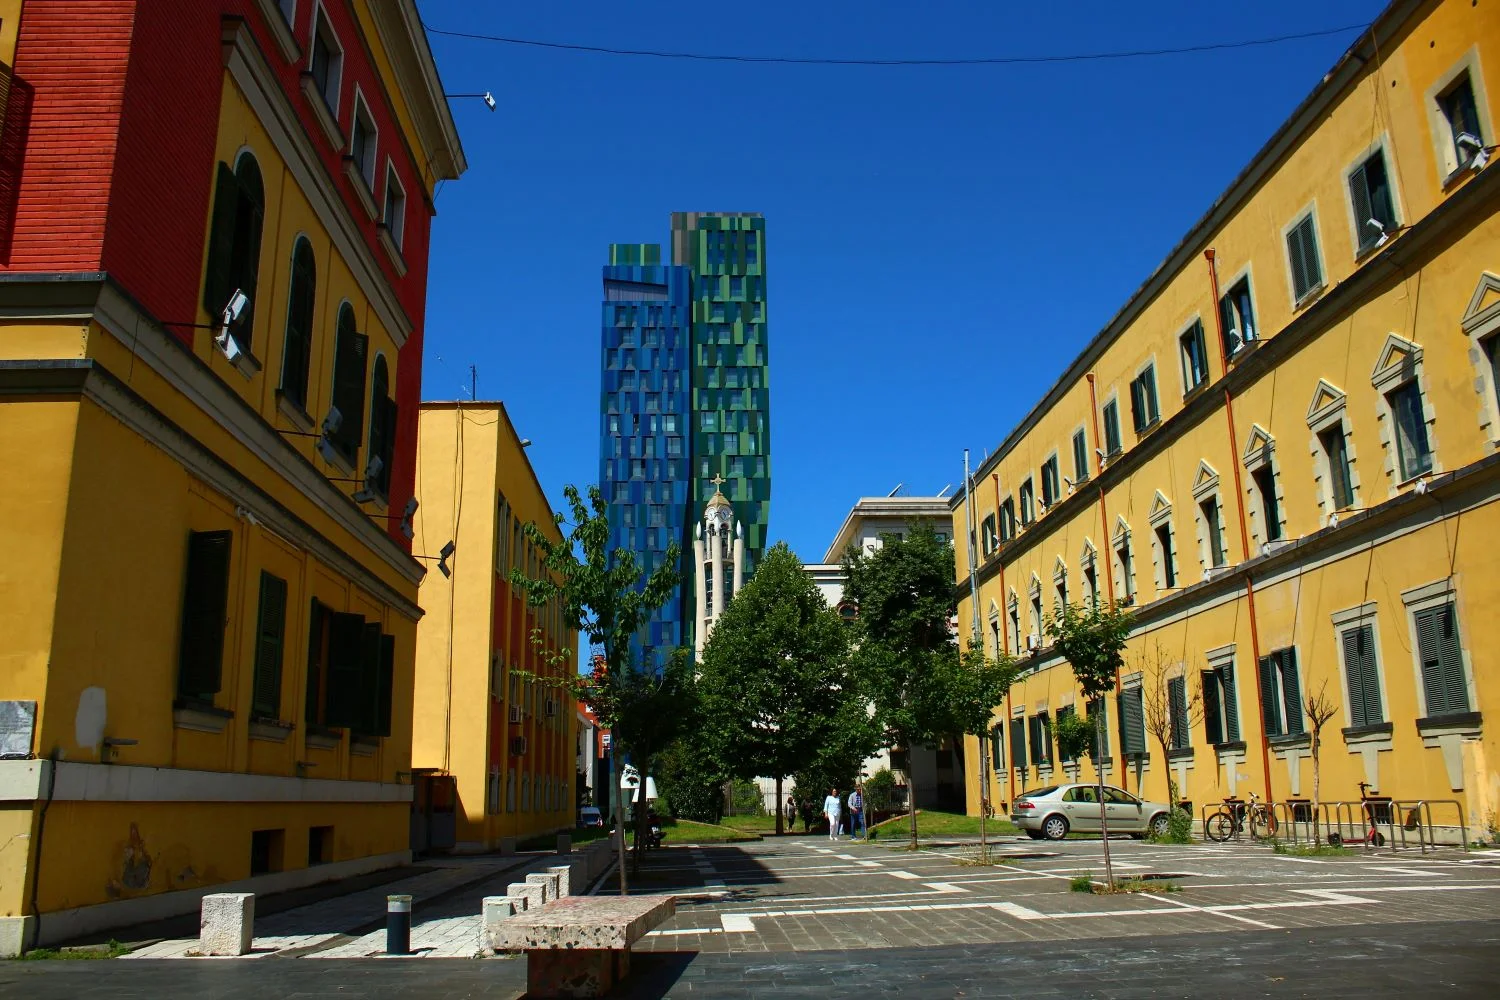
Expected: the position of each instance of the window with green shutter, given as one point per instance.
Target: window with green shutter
(997, 747)
(1413, 448)
(1111, 417)
(297, 348)
(1018, 743)
(1362, 676)
(1302, 250)
(1066, 712)
(1132, 722)
(341, 705)
(317, 662)
(1095, 713)
(270, 641)
(1177, 703)
(1444, 682)
(1041, 739)
(1221, 721)
(234, 242)
(1370, 195)
(205, 609)
(1281, 694)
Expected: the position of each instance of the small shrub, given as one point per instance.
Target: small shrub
(879, 788)
(1146, 885)
(1179, 829)
(1082, 883)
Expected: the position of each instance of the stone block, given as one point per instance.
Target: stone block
(584, 922)
(549, 883)
(564, 843)
(227, 923)
(493, 910)
(585, 972)
(528, 894)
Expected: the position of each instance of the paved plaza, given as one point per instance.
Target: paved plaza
(800, 916)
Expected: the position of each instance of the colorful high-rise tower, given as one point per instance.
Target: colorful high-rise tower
(685, 398)
(645, 423)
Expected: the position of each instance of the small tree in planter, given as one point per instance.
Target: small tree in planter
(1092, 640)
(1168, 719)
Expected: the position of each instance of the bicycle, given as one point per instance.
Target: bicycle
(1236, 816)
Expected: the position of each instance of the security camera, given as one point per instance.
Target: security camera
(332, 422)
(373, 467)
(411, 507)
(489, 100)
(234, 308)
(1468, 139)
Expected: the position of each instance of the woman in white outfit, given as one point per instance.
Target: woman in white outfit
(831, 810)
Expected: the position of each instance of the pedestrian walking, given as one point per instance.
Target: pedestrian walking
(831, 809)
(856, 812)
(791, 813)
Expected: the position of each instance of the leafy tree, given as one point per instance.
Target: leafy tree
(879, 788)
(1074, 736)
(608, 597)
(1092, 640)
(690, 782)
(906, 659)
(777, 694)
(978, 685)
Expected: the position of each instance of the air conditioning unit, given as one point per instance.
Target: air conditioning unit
(518, 746)
(515, 715)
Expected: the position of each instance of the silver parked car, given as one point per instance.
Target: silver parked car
(1055, 811)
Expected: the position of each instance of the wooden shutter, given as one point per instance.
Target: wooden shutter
(1137, 415)
(1362, 676)
(1177, 702)
(1213, 719)
(1443, 678)
(205, 606)
(1132, 722)
(270, 640)
(341, 708)
(1231, 705)
(1148, 394)
(1017, 743)
(997, 743)
(317, 661)
(1359, 195)
(349, 387)
(367, 697)
(1270, 705)
(1301, 283)
(1309, 237)
(219, 273)
(1291, 691)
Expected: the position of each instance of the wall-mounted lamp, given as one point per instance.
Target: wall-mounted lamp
(486, 97)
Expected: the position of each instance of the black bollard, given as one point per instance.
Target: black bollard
(398, 925)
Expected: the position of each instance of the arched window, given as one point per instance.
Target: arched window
(350, 350)
(382, 426)
(297, 351)
(234, 242)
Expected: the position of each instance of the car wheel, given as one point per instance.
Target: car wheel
(1159, 825)
(1054, 828)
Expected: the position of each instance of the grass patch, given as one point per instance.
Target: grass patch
(932, 823)
(761, 824)
(91, 952)
(1081, 883)
(685, 831)
(548, 841)
(1310, 850)
(1086, 883)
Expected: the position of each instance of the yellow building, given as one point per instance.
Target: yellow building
(213, 256)
(1281, 453)
(492, 721)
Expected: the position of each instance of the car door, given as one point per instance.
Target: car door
(1081, 806)
(1124, 811)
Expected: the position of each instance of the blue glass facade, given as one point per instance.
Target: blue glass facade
(645, 437)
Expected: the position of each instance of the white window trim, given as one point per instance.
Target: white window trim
(1328, 410)
(1222, 658)
(1150, 428)
(1226, 286)
(1388, 376)
(283, 25)
(1161, 517)
(1124, 587)
(1059, 581)
(996, 629)
(1022, 521)
(1182, 368)
(397, 234)
(1013, 609)
(1381, 145)
(1481, 322)
(1088, 560)
(1041, 474)
(1442, 135)
(320, 18)
(359, 104)
(1343, 621)
(1310, 210)
(1034, 595)
(1260, 451)
(1428, 596)
(1205, 489)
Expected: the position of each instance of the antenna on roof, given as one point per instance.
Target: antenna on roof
(896, 490)
(944, 491)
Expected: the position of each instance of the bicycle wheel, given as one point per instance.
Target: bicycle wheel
(1219, 827)
(1262, 824)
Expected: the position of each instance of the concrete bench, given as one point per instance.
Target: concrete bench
(579, 946)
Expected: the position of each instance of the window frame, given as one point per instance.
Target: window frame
(1327, 413)
(1109, 415)
(1449, 169)
(1261, 457)
(1080, 446)
(1364, 244)
(1123, 552)
(1389, 377)
(1277, 662)
(397, 233)
(1311, 294)
(1193, 333)
(1226, 697)
(360, 114)
(1027, 502)
(1227, 301)
(299, 397)
(1144, 374)
(1051, 478)
(1425, 598)
(1349, 620)
(320, 22)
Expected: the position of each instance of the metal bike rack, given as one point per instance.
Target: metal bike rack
(1425, 827)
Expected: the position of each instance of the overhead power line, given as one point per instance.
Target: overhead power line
(974, 61)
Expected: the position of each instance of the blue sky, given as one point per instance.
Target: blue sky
(941, 242)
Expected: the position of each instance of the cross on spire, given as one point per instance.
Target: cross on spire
(718, 481)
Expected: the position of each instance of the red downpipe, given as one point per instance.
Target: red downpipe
(1239, 496)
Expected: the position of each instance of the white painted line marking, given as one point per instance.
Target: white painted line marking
(869, 864)
(944, 887)
(846, 857)
(1230, 916)
(906, 875)
(736, 923)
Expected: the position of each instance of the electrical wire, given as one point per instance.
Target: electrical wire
(826, 61)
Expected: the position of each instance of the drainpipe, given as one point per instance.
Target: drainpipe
(1239, 497)
(36, 857)
(1004, 631)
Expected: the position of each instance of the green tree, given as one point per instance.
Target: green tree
(1092, 640)
(609, 598)
(906, 659)
(977, 687)
(776, 690)
(691, 783)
